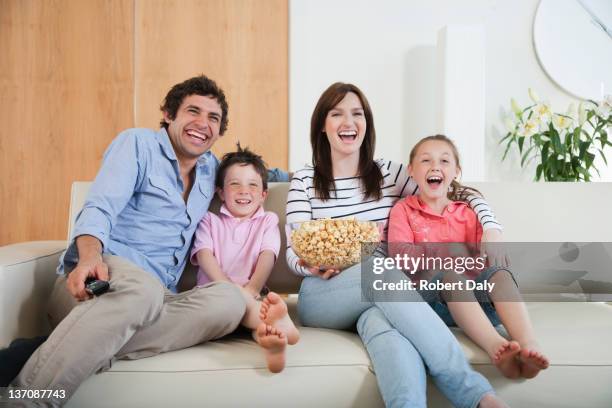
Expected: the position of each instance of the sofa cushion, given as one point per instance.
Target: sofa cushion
(337, 370)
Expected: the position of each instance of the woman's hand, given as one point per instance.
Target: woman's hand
(322, 272)
(492, 249)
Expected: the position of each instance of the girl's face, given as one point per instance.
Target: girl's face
(345, 126)
(242, 191)
(433, 168)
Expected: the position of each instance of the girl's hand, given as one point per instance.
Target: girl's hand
(492, 249)
(322, 272)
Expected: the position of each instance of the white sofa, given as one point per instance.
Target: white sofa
(331, 368)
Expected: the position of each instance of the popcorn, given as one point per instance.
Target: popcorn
(334, 243)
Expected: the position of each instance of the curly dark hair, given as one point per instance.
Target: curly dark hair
(242, 157)
(199, 85)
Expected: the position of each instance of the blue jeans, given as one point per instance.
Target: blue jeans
(402, 339)
(482, 296)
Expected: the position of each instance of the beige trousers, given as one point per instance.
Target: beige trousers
(136, 318)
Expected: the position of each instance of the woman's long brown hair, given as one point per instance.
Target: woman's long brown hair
(369, 173)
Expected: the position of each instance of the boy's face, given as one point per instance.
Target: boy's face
(242, 191)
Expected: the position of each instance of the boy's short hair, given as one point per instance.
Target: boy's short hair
(242, 157)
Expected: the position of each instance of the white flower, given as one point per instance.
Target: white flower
(529, 128)
(515, 107)
(533, 96)
(604, 108)
(543, 112)
(510, 125)
(562, 122)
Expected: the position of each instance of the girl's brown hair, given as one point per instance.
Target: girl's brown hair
(457, 192)
(369, 172)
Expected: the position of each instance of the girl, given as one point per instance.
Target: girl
(440, 213)
(402, 338)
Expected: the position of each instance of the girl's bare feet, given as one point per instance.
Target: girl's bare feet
(274, 343)
(491, 400)
(505, 357)
(273, 311)
(532, 361)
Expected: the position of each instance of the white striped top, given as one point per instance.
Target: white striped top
(348, 200)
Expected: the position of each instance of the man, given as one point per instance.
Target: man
(135, 229)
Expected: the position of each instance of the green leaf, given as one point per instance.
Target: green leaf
(507, 148)
(577, 135)
(521, 141)
(525, 155)
(589, 159)
(583, 148)
(539, 172)
(506, 137)
(556, 142)
(603, 156)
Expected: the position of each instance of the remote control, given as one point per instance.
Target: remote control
(96, 287)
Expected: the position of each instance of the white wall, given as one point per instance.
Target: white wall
(388, 49)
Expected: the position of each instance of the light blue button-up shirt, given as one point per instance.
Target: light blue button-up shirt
(135, 205)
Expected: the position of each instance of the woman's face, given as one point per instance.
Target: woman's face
(345, 126)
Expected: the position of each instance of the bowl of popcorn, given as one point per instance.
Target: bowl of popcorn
(337, 243)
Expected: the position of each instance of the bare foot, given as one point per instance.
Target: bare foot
(274, 343)
(532, 361)
(273, 311)
(491, 400)
(506, 359)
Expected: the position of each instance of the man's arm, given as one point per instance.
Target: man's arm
(109, 194)
(90, 264)
(277, 175)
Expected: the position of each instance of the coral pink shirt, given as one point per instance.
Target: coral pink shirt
(411, 220)
(236, 243)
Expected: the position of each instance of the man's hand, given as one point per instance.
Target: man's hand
(322, 272)
(90, 265)
(96, 269)
(491, 247)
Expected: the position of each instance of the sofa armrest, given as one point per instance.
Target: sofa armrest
(27, 274)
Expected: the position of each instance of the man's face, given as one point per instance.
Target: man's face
(195, 128)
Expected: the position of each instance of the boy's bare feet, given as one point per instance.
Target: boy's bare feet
(274, 343)
(273, 311)
(532, 361)
(491, 400)
(505, 357)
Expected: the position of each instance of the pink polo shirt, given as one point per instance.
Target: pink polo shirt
(236, 243)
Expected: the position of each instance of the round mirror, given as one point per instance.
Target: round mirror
(573, 42)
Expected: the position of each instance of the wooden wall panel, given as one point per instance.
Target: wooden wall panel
(74, 73)
(66, 89)
(241, 44)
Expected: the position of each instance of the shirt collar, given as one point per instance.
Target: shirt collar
(164, 141)
(259, 213)
(416, 203)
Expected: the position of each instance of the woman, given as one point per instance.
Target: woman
(402, 338)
